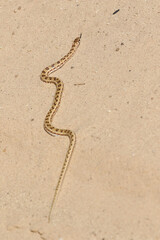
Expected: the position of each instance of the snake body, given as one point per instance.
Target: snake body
(48, 119)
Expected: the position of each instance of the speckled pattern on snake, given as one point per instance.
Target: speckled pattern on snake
(48, 119)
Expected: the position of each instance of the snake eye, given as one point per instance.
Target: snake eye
(77, 40)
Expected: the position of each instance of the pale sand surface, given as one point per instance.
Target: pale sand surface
(111, 190)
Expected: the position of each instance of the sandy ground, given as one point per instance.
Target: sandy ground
(111, 190)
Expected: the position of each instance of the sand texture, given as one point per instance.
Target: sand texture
(111, 100)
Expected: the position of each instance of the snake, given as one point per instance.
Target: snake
(48, 127)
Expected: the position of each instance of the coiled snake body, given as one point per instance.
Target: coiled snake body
(48, 119)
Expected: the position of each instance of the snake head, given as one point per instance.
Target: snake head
(77, 40)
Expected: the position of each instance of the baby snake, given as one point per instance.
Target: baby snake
(48, 119)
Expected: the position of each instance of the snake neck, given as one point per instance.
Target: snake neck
(54, 67)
